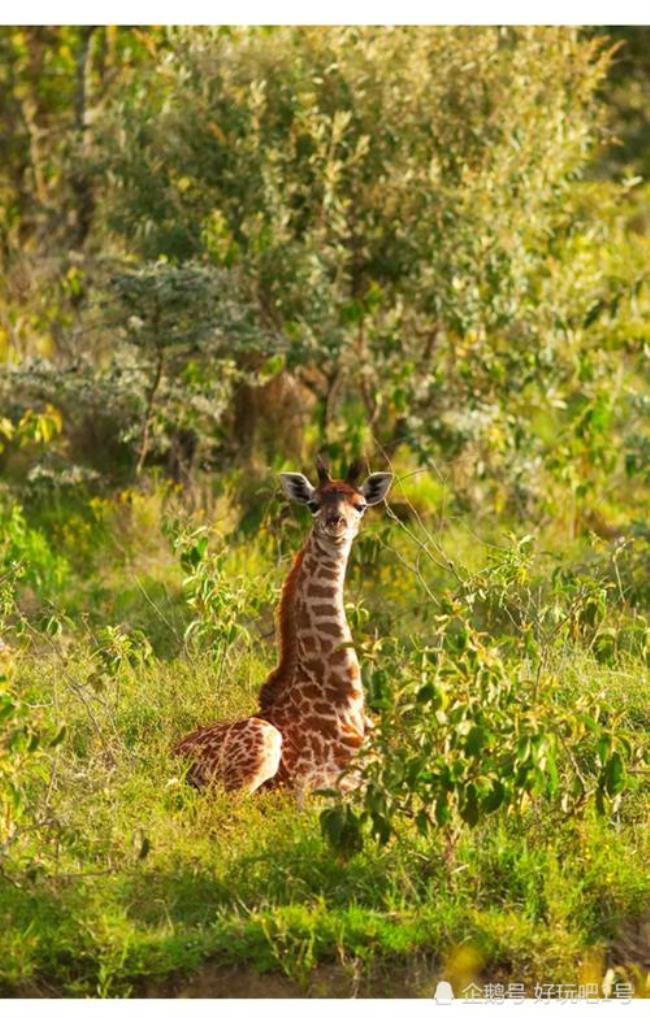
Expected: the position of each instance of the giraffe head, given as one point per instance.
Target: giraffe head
(336, 505)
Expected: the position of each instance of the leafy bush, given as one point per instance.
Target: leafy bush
(27, 551)
(472, 722)
(372, 234)
(28, 739)
(217, 603)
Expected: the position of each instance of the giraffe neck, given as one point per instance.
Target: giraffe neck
(314, 634)
(317, 604)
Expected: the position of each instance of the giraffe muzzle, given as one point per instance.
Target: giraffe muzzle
(336, 525)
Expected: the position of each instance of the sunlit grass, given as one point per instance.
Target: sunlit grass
(139, 878)
(153, 877)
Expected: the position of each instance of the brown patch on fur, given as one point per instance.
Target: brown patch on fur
(339, 656)
(314, 667)
(323, 726)
(341, 692)
(322, 707)
(326, 571)
(352, 741)
(339, 487)
(329, 628)
(324, 609)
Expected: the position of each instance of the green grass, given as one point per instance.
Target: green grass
(250, 881)
(135, 880)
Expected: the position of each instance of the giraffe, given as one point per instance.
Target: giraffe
(311, 719)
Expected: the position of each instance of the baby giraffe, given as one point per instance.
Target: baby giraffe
(311, 719)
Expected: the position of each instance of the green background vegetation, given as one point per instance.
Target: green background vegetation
(221, 251)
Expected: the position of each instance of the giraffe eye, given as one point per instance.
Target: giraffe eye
(313, 507)
(361, 508)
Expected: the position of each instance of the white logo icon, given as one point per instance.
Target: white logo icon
(444, 993)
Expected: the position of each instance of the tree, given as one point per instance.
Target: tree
(393, 225)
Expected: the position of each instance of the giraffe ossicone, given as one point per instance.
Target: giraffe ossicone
(311, 719)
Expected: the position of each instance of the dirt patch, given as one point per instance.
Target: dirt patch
(632, 946)
(213, 980)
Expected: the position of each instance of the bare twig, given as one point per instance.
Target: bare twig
(144, 447)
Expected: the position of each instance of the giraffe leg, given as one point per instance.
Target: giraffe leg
(240, 756)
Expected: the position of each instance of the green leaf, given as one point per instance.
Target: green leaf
(615, 774)
(59, 736)
(475, 741)
(428, 694)
(603, 747)
(381, 829)
(524, 747)
(272, 366)
(494, 798)
(442, 810)
(469, 809)
(423, 822)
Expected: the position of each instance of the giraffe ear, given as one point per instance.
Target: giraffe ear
(297, 487)
(376, 487)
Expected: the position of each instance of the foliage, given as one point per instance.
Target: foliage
(27, 738)
(462, 735)
(285, 181)
(222, 249)
(138, 877)
(26, 551)
(107, 834)
(217, 605)
(479, 721)
(261, 223)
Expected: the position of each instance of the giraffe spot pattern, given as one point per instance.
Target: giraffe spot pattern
(329, 628)
(311, 719)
